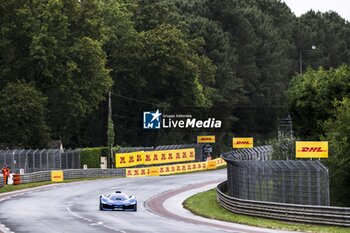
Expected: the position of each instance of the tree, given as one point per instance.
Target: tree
(22, 117)
(329, 32)
(337, 131)
(263, 63)
(283, 147)
(311, 95)
(58, 46)
(150, 14)
(177, 63)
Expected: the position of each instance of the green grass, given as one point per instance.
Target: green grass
(10, 188)
(205, 205)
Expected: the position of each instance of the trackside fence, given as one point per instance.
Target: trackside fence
(252, 176)
(1, 181)
(39, 160)
(72, 174)
(338, 216)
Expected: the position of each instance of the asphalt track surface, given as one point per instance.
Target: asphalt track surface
(73, 207)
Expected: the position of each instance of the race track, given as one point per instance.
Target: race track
(73, 207)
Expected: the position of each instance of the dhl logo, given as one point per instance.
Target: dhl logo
(206, 139)
(311, 149)
(57, 176)
(243, 143)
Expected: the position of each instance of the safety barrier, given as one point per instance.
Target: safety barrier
(1, 181)
(39, 160)
(251, 177)
(72, 174)
(260, 153)
(338, 216)
(91, 173)
(120, 172)
(175, 168)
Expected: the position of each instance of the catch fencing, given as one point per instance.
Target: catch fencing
(338, 216)
(260, 153)
(72, 174)
(40, 160)
(1, 181)
(34, 160)
(297, 182)
(252, 177)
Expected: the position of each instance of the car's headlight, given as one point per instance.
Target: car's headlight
(103, 202)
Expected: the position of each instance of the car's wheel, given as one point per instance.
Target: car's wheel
(135, 207)
(101, 207)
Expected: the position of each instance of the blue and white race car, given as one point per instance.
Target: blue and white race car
(118, 201)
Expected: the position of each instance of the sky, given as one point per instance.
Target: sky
(299, 7)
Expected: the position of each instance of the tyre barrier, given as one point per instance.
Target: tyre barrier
(338, 216)
(16, 179)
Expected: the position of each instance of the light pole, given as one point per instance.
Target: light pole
(313, 47)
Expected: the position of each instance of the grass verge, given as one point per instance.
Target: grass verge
(205, 205)
(10, 188)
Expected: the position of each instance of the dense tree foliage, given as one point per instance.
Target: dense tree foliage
(329, 33)
(311, 96)
(58, 46)
(337, 131)
(234, 59)
(22, 116)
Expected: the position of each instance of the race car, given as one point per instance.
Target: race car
(118, 201)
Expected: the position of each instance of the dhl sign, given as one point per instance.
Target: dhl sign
(57, 176)
(205, 139)
(242, 143)
(211, 164)
(306, 149)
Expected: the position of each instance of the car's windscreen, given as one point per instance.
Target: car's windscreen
(118, 197)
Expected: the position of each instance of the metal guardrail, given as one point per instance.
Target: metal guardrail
(90, 173)
(338, 216)
(1, 181)
(72, 174)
